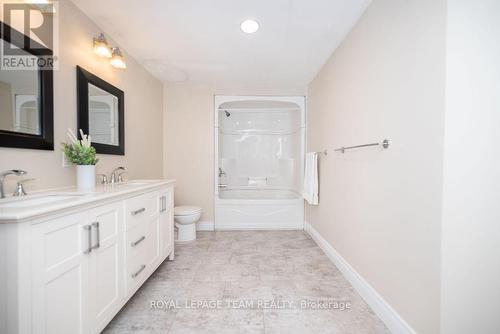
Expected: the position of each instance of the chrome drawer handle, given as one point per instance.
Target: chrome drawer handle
(138, 241)
(88, 228)
(136, 212)
(163, 203)
(134, 275)
(98, 235)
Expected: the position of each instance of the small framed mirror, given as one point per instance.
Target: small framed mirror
(100, 112)
(26, 93)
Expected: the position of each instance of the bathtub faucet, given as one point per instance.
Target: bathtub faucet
(221, 173)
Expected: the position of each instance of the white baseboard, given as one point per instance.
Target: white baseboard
(382, 309)
(205, 225)
(260, 226)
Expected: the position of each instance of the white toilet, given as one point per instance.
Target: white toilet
(186, 218)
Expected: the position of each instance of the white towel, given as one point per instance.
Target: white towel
(311, 179)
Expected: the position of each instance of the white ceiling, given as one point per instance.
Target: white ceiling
(201, 40)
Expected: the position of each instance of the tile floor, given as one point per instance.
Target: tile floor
(247, 282)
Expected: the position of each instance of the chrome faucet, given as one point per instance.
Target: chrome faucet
(222, 173)
(17, 172)
(104, 178)
(117, 178)
(20, 188)
(120, 177)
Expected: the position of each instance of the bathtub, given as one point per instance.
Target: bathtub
(239, 209)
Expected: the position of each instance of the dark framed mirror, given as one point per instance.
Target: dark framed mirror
(101, 112)
(26, 92)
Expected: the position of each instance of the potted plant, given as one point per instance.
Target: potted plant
(83, 155)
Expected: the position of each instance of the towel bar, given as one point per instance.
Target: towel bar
(384, 143)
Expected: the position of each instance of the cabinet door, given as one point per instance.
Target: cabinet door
(106, 279)
(166, 223)
(60, 268)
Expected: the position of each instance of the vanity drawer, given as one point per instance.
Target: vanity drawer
(142, 252)
(139, 237)
(137, 272)
(138, 269)
(140, 209)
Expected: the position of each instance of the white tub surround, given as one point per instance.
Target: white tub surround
(244, 209)
(258, 194)
(70, 260)
(259, 162)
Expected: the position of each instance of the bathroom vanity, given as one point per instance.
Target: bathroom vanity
(69, 261)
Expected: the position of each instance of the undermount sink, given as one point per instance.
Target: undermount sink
(35, 201)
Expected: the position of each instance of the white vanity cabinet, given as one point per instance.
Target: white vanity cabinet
(106, 260)
(77, 264)
(60, 276)
(166, 201)
(72, 272)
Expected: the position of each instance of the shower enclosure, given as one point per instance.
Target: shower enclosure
(259, 162)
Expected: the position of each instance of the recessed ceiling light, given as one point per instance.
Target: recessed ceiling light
(249, 26)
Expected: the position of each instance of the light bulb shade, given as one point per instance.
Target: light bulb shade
(101, 47)
(117, 59)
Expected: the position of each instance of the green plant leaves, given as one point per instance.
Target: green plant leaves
(80, 155)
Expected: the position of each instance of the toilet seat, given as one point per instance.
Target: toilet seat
(186, 210)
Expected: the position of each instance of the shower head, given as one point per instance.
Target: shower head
(227, 113)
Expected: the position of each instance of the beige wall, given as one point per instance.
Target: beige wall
(471, 212)
(143, 110)
(189, 138)
(6, 108)
(381, 209)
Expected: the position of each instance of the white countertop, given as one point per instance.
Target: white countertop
(54, 201)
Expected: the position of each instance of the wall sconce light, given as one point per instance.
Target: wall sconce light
(101, 47)
(117, 59)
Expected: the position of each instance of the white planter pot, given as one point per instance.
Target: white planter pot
(85, 177)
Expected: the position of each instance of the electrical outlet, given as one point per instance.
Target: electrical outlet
(65, 162)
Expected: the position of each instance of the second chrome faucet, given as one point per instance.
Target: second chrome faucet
(117, 178)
